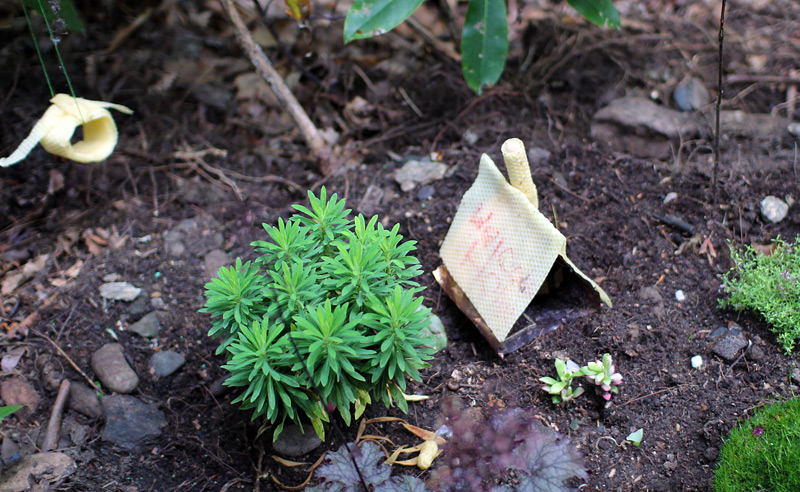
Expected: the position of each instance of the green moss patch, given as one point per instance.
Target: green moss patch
(763, 453)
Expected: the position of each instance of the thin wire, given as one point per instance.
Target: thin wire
(60, 62)
(719, 102)
(38, 52)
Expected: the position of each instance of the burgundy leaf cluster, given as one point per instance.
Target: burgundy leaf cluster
(507, 447)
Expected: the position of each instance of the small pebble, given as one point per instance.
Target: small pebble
(164, 363)
(774, 209)
(294, 442)
(83, 400)
(671, 197)
(697, 361)
(680, 296)
(112, 369)
(119, 291)
(148, 327)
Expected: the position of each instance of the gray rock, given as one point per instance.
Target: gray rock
(774, 209)
(130, 422)
(718, 333)
(83, 400)
(119, 291)
(139, 306)
(149, 326)
(9, 450)
(728, 348)
(691, 95)
(420, 172)
(214, 260)
(293, 442)
(37, 472)
(166, 362)
(218, 387)
(425, 192)
(112, 369)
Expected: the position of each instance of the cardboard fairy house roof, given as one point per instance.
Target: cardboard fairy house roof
(500, 252)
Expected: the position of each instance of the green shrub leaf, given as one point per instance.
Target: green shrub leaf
(368, 18)
(484, 43)
(600, 12)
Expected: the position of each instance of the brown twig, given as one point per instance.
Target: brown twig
(649, 395)
(264, 67)
(54, 425)
(774, 79)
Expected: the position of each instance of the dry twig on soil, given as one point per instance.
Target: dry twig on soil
(258, 58)
(54, 424)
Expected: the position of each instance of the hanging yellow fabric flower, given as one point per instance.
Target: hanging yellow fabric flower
(57, 125)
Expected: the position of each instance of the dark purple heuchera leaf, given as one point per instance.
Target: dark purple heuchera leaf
(549, 460)
(481, 451)
(339, 466)
(339, 474)
(402, 483)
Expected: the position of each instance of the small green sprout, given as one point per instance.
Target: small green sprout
(602, 374)
(561, 388)
(635, 437)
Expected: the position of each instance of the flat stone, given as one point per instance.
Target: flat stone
(728, 348)
(84, 400)
(119, 291)
(293, 442)
(425, 192)
(419, 172)
(112, 369)
(15, 391)
(140, 306)
(130, 422)
(166, 362)
(774, 209)
(149, 326)
(9, 450)
(718, 333)
(214, 260)
(37, 472)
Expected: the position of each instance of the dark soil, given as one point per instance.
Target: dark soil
(177, 73)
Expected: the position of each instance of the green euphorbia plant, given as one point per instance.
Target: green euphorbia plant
(325, 318)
